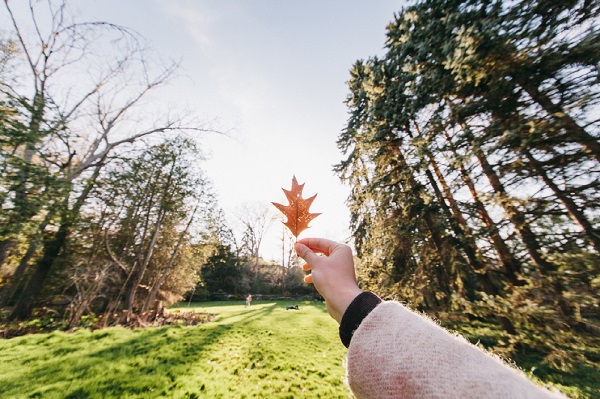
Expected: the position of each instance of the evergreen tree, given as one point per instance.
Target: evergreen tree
(472, 155)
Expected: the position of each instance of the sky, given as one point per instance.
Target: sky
(271, 73)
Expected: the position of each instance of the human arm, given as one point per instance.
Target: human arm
(332, 274)
(398, 353)
(395, 352)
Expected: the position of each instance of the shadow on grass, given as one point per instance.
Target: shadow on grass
(147, 364)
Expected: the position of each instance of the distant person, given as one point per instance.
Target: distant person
(248, 300)
(394, 352)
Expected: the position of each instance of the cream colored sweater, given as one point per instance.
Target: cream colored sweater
(396, 353)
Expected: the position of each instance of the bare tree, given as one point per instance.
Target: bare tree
(83, 92)
(255, 220)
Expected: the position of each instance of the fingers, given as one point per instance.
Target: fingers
(307, 278)
(322, 245)
(305, 253)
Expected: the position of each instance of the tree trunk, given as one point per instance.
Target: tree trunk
(462, 231)
(6, 247)
(156, 286)
(514, 215)
(443, 249)
(459, 225)
(24, 212)
(52, 248)
(576, 214)
(510, 264)
(8, 291)
(562, 118)
(139, 273)
(528, 238)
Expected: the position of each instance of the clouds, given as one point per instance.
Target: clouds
(276, 71)
(280, 68)
(199, 22)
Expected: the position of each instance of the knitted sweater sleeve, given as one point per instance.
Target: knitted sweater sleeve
(396, 353)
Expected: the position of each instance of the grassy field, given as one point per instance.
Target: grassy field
(262, 351)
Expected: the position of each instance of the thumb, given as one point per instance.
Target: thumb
(306, 253)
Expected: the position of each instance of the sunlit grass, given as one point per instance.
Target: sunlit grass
(260, 351)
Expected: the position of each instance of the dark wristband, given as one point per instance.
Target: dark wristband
(359, 308)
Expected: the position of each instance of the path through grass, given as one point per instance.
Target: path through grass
(262, 351)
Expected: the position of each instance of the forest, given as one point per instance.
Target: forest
(471, 150)
(105, 211)
(473, 156)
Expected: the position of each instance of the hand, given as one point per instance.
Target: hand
(332, 274)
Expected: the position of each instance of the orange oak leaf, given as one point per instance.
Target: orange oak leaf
(296, 212)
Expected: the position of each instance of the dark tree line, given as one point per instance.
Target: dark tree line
(227, 276)
(473, 156)
(233, 269)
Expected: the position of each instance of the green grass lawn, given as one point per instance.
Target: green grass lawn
(262, 351)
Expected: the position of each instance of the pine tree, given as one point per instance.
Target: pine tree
(472, 154)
